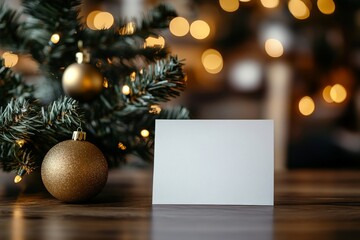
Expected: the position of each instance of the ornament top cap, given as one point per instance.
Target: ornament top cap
(79, 135)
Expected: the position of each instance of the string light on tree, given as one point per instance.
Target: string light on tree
(128, 29)
(133, 76)
(144, 133)
(17, 179)
(155, 109)
(55, 38)
(10, 59)
(20, 142)
(21, 172)
(121, 146)
(154, 42)
(105, 83)
(126, 90)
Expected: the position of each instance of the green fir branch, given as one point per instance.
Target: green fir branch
(28, 131)
(159, 83)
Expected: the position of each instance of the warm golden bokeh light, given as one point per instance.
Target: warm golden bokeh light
(274, 48)
(133, 76)
(128, 29)
(10, 59)
(326, 6)
(126, 90)
(298, 9)
(103, 20)
(179, 26)
(212, 61)
(229, 5)
(199, 29)
(90, 19)
(244, 0)
(155, 42)
(17, 179)
(55, 38)
(270, 3)
(121, 146)
(326, 94)
(338, 93)
(144, 133)
(306, 106)
(155, 109)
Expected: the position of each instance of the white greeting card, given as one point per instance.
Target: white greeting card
(222, 162)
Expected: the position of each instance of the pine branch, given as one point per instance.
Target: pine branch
(159, 83)
(28, 131)
(45, 19)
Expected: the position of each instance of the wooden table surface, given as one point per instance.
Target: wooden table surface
(308, 205)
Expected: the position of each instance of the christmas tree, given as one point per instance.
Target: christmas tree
(118, 115)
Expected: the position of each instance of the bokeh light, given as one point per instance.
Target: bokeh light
(326, 6)
(212, 61)
(270, 3)
(10, 59)
(126, 90)
(199, 29)
(229, 5)
(90, 19)
(55, 38)
(246, 75)
(338, 93)
(128, 29)
(144, 133)
(306, 106)
(274, 48)
(326, 94)
(155, 42)
(298, 9)
(103, 20)
(179, 26)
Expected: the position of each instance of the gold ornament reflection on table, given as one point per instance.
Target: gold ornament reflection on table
(82, 81)
(74, 170)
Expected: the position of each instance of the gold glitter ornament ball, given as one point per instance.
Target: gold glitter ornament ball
(74, 171)
(82, 81)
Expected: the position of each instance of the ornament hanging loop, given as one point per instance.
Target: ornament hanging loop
(83, 56)
(79, 135)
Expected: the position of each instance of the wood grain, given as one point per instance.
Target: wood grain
(308, 205)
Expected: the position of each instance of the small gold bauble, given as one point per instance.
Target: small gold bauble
(82, 81)
(74, 171)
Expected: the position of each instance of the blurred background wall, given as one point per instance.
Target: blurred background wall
(294, 61)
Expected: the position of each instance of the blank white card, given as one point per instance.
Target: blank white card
(222, 162)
